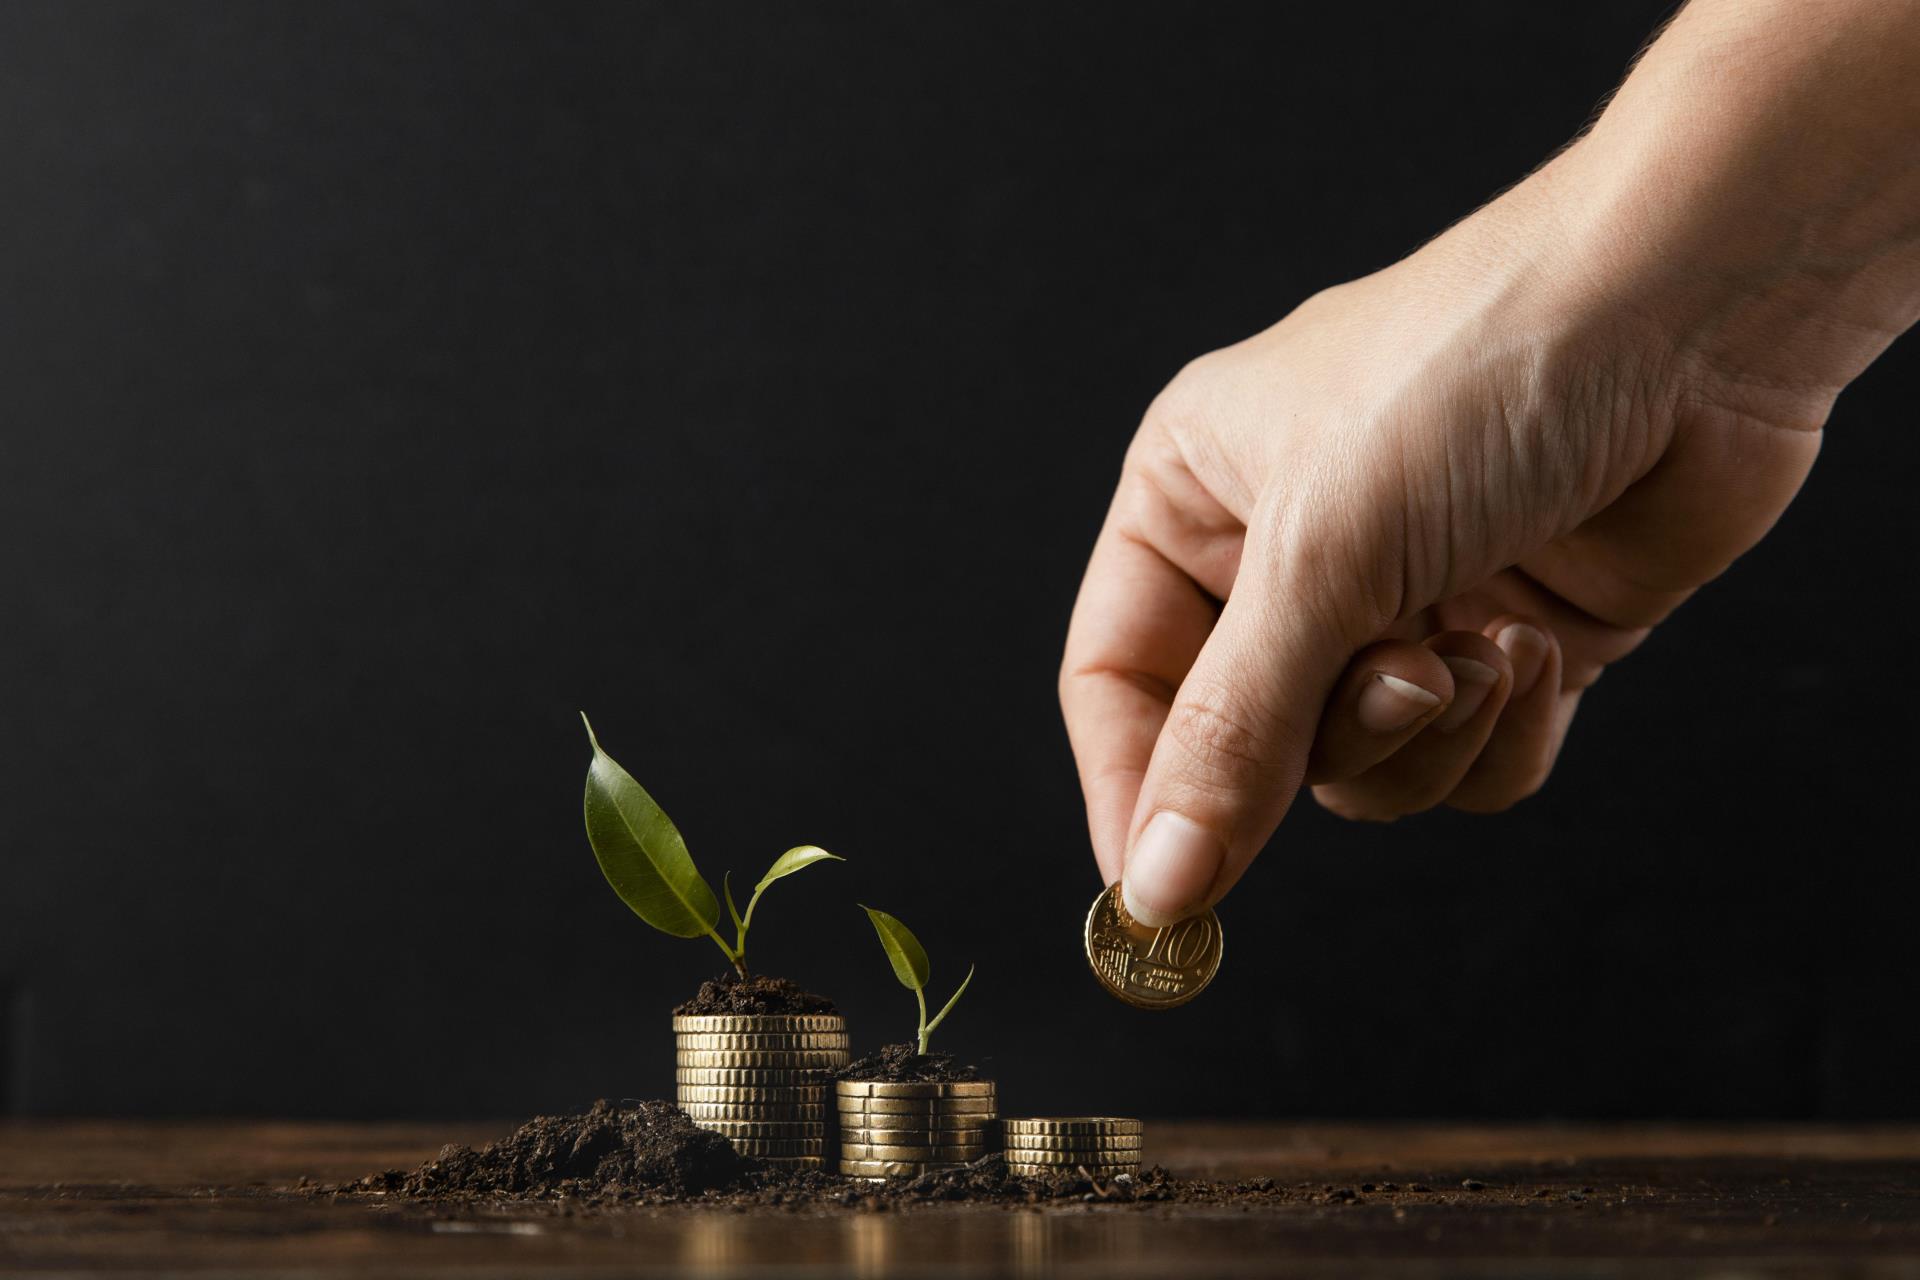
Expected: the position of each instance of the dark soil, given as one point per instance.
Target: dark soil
(899, 1064)
(650, 1146)
(758, 994)
(650, 1153)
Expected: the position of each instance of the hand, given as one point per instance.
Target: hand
(1383, 547)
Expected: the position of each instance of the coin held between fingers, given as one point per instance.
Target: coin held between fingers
(1150, 968)
(1172, 866)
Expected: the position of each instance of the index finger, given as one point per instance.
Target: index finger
(1138, 624)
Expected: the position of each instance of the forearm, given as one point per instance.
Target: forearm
(1754, 189)
(1746, 213)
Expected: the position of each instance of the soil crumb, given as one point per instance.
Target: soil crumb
(899, 1064)
(758, 994)
(649, 1146)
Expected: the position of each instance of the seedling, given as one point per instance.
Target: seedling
(910, 966)
(646, 861)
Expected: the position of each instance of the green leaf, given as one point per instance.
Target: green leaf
(947, 1008)
(908, 956)
(641, 852)
(793, 860)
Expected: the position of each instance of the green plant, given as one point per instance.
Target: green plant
(910, 966)
(646, 861)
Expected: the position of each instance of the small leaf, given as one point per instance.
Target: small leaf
(641, 852)
(793, 860)
(903, 949)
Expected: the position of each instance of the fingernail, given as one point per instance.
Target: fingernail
(1526, 649)
(1172, 866)
(1389, 704)
(1472, 682)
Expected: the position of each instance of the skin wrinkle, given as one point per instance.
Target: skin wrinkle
(1226, 747)
(1198, 538)
(1311, 580)
(1145, 681)
(1188, 438)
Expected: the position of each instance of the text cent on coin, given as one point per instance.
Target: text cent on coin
(1150, 968)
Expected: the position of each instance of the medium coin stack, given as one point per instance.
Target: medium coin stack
(762, 1080)
(902, 1130)
(1101, 1145)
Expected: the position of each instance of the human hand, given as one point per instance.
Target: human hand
(1439, 501)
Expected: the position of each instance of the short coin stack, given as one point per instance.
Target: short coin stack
(762, 1080)
(904, 1129)
(1103, 1146)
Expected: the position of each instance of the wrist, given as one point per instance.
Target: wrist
(1753, 193)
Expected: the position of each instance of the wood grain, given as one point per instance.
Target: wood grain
(1587, 1201)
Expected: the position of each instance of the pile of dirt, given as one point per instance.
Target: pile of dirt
(900, 1064)
(648, 1147)
(732, 994)
(650, 1153)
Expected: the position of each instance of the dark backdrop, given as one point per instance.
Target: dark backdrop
(380, 383)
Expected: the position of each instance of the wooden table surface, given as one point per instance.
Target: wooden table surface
(1721, 1202)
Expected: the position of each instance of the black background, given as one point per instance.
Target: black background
(381, 383)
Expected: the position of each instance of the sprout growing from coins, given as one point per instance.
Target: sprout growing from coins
(910, 965)
(645, 859)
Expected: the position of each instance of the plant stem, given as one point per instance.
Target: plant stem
(921, 996)
(737, 957)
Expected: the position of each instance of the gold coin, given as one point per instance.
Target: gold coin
(1042, 1148)
(877, 1169)
(809, 1112)
(780, 1146)
(758, 1023)
(765, 1128)
(791, 1059)
(1100, 1125)
(791, 1078)
(1069, 1139)
(1054, 1170)
(711, 1040)
(866, 1151)
(1114, 1157)
(919, 1137)
(1150, 968)
(895, 1138)
(917, 1106)
(760, 1095)
(796, 1162)
(924, 1089)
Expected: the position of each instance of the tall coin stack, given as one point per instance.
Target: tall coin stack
(902, 1130)
(1103, 1146)
(762, 1080)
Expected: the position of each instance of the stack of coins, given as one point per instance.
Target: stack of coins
(903, 1130)
(762, 1080)
(1103, 1146)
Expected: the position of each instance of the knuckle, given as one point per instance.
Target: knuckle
(1184, 404)
(1221, 744)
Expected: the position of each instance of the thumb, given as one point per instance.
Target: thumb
(1234, 748)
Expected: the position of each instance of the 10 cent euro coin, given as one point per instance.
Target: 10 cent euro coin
(1150, 968)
